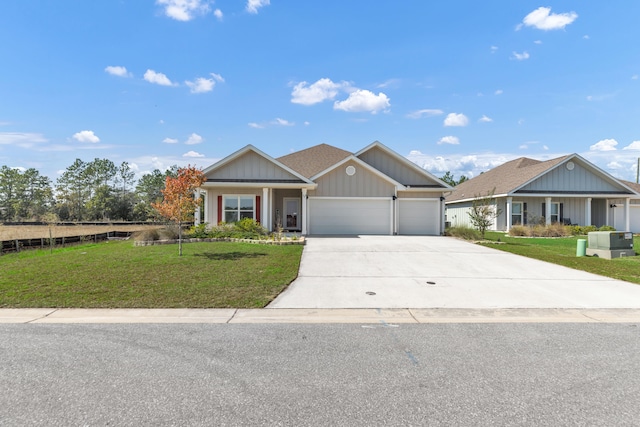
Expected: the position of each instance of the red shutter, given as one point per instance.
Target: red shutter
(257, 208)
(219, 209)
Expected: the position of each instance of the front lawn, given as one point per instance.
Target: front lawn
(562, 251)
(119, 275)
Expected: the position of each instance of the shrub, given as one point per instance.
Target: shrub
(606, 228)
(466, 233)
(538, 230)
(199, 231)
(170, 232)
(249, 228)
(222, 230)
(519, 230)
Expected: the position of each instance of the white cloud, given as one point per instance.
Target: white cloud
(86, 136)
(158, 78)
(282, 122)
(192, 154)
(193, 139)
(254, 5)
(307, 123)
(604, 145)
(498, 92)
(363, 100)
(485, 119)
(586, 37)
(523, 146)
(452, 140)
(389, 83)
(218, 14)
(202, 85)
(116, 70)
(543, 19)
(520, 121)
(634, 77)
(521, 56)
(494, 49)
(170, 141)
(255, 125)
(322, 90)
(614, 165)
(545, 148)
(21, 139)
(454, 119)
(635, 145)
(184, 10)
(427, 112)
(537, 41)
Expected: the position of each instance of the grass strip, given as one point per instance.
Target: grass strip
(562, 251)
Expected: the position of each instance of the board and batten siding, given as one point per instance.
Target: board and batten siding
(363, 183)
(418, 195)
(578, 179)
(394, 168)
(251, 166)
(458, 215)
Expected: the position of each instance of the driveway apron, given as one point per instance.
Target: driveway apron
(440, 272)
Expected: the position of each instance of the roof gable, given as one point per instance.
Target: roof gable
(250, 164)
(366, 166)
(398, 167)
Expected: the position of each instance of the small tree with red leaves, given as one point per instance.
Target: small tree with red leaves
(180, 201)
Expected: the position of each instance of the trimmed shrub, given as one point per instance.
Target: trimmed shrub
(519, 230)
(146, 235)
(199, 231)
(606, 228)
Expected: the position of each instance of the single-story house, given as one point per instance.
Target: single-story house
(567, 189)
(326, 190)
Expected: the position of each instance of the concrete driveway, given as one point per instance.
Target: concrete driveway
(440, 272)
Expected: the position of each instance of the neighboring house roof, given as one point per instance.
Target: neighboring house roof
(313, 160)
(517, 176)
(504, 178)
(633, 185)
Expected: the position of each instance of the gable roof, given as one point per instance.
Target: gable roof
(633, 185)
(363, 164)
(504, 178)
(313, 160)
(250, 148)
(515, 174)
(404, 161)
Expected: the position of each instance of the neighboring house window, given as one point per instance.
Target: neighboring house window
(238, 207)
(556, 211)
(517, 214)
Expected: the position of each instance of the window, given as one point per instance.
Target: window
(238, 207)
(555, 212)
(516, 213)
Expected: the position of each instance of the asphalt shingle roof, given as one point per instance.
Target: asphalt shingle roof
(314, 160)
(503, 178)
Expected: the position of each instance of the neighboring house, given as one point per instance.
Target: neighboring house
(567, 189)
(634, 210)
(326, 190)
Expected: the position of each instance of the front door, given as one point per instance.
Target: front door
(291, 213)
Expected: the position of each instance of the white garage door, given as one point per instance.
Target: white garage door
(350, 216)
(419, 216)
(634, 218)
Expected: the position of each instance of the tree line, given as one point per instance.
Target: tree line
(98, 190)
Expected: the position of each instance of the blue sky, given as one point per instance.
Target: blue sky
(454, 86)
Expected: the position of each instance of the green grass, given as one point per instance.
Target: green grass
(562, 251)
(119, 275)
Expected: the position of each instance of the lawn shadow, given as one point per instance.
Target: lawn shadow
(229, 256)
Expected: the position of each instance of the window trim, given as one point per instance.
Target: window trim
(238, 210)
(521, 214)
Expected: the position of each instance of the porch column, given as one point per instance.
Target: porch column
(587, 211)
(606, 216)
(265, 208)
(627, 222)
(547, 210)
(196, 213)
(509, 210)
(304, 211)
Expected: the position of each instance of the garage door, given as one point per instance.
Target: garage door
(419, 216)
(350, 216)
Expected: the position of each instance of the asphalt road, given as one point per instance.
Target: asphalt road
(338, 375)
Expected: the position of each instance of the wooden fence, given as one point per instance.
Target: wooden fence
(17, 245)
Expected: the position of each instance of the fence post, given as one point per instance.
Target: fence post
(17, 246)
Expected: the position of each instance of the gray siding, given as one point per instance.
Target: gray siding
(362, 184)
(578, 179)
(251, 166)
(394, 168)
(418, 195)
